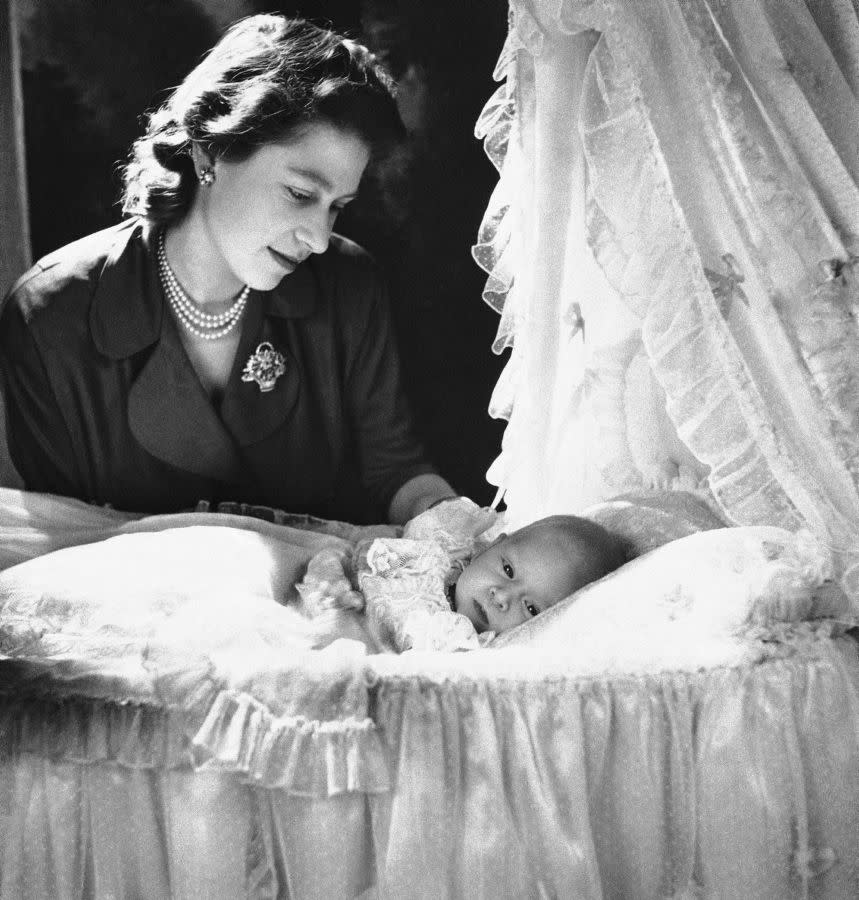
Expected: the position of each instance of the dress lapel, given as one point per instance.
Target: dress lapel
(169, 412)
(172, 418)
(126, 309)
(248, 413)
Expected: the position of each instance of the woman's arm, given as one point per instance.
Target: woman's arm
(416, 495)
(400, 480)
(38, 441)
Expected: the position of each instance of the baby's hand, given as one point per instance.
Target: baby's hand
(428, 628)
(326, 584)
(687, 479)
(659, 475)
(669, 475)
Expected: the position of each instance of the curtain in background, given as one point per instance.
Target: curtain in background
(672, 247)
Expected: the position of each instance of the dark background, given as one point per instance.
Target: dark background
(92, 67)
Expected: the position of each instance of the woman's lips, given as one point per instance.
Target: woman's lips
(284, 261)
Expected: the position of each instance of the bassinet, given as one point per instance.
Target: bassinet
(510, 771)
(448, 780)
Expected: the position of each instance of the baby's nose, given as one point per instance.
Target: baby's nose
(502, 597)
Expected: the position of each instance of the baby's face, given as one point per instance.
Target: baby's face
(516, 578)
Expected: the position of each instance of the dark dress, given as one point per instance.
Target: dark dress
(103, 403)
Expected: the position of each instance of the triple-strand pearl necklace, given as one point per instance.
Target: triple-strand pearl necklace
(201, 324)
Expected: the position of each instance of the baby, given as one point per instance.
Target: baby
(445, 586)
(519, 575)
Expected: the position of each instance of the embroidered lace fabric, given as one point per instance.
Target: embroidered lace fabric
(672, 249)
(403, 583)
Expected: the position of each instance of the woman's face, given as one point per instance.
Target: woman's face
(263, 216)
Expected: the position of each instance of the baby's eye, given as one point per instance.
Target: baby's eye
(531, 609)
(508, 569)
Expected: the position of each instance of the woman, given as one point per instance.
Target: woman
(223, 343)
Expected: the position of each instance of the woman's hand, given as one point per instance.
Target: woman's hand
(417, 495)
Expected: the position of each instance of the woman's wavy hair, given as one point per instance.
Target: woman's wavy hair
(265, 80)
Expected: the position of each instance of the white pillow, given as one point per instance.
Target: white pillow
(684, 603)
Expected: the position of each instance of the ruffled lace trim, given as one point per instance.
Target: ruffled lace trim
(496, 251)
(214, 729)
(684, 330)
(305, 757)
(828, 337)
(720, 414)
(82, 730)
(238, 734)
(643, 243)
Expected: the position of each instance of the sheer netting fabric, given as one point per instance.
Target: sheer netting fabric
(672, 248)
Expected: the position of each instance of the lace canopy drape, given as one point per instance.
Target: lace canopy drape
(672, 247)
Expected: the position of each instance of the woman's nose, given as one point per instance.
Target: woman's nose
(314, 235)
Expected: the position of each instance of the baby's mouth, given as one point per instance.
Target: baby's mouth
(480, 614)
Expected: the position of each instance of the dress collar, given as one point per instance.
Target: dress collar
(127, 305)
(169, 413)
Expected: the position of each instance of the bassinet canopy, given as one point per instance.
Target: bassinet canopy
(672, 248)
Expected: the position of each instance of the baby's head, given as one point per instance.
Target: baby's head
(521, 574)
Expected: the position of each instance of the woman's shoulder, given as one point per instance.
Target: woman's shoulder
(70, 271)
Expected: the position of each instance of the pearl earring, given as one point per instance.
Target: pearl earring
(207, 175)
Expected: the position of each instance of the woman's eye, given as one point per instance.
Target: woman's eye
(299, 196)
(531, 609)
(508, 569)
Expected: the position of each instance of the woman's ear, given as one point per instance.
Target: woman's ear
(201, 159)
